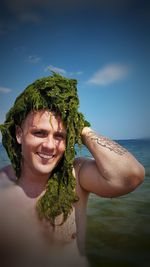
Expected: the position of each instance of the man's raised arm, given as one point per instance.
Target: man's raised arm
(113, 171)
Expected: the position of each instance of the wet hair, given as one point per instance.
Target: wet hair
(58, 94)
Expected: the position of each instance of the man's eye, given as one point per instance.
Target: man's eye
(39, 133)
(60, 136)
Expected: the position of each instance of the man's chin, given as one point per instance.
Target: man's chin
(46, 169)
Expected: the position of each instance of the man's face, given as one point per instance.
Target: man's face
(43, 142)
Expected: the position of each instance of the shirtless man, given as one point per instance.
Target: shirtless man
(42, 136)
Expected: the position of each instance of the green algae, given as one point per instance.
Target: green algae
(58, 94)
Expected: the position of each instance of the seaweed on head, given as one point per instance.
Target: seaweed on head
(57, 94)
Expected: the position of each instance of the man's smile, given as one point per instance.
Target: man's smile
(45, 155)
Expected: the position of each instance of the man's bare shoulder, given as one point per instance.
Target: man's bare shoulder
(81, 162)
(79, 166)
(7, 176)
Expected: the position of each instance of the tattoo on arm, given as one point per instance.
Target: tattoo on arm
(105, 142)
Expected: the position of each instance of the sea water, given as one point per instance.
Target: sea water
(118, 229)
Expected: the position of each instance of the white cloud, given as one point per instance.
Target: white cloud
(5, 90)
(62, 71)
(55, 69)
(109, 74)
(32, 59)
(75, 73)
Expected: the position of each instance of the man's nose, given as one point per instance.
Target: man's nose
(49, 143)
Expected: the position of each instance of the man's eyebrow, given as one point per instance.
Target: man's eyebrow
(35, 128)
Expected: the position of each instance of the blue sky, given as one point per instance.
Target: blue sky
(104, 44)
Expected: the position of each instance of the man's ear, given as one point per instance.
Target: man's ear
(19, 134)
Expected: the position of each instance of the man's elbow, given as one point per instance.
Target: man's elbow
(137, 176)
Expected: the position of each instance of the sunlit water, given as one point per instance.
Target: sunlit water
(118, 229)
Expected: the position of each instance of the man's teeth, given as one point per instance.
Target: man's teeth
(45, 156)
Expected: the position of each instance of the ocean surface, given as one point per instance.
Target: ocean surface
(118, 229)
